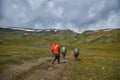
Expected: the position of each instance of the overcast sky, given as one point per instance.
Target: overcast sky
(78, 15)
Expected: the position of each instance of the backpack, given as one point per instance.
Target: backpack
(76, 51)
(56, 49)
(52, 47)
(63, 49)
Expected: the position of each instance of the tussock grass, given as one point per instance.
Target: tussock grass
(97, 62)
(18, 54)
(99, 53)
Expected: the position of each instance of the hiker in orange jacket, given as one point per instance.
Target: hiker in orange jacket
(52, 48)
(56, 52)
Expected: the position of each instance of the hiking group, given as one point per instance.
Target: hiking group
(56, 50)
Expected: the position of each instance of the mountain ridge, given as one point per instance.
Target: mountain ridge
(61, 36)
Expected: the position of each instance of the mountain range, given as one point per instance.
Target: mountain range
(58, 35)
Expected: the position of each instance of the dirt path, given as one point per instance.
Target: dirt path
(44, 70)
(14, 70)
(48, 71)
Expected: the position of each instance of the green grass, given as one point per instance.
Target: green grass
(99, 52)
(18, 54)
(97, 62)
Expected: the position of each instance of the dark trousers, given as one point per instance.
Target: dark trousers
(56, 57)
(63, 55)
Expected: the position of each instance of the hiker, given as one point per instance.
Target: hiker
(56, 52)
(64, 51)
(52, 48)
(76, 53)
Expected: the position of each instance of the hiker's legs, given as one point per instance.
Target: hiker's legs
(58, 58)
(63, 55)
(54, 59)
(76, 57)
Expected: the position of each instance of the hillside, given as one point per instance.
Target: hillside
(48, 35)
(99, 36)
(25, 54)
(87, 37)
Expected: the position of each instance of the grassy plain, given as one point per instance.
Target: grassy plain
(99, 57)
(97, 62)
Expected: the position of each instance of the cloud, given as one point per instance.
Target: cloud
(113, 21)
(35, 4)
(78, 15)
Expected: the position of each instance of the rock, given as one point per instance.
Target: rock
(65, 78)
(103, 68)
(50, 68)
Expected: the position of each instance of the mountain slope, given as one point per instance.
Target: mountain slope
(62, 36)
(100, 36)
(35, 37)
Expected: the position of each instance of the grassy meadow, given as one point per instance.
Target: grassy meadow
(99, 57)
(97, 62)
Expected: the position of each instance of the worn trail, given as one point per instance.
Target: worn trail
(14, 70)
(49, 71)
(44, 70)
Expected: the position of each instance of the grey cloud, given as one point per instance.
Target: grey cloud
(78, 15)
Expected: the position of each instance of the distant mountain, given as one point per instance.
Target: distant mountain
(27, 33)
(6, 29)
(101, 36)
(61, 35)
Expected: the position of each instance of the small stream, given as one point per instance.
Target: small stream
(40, 46)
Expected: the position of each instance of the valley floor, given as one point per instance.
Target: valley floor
(90, 66)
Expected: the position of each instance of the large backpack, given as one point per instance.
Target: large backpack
(52, 47)
(76, 51)
(56, 49)
(63, 49)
